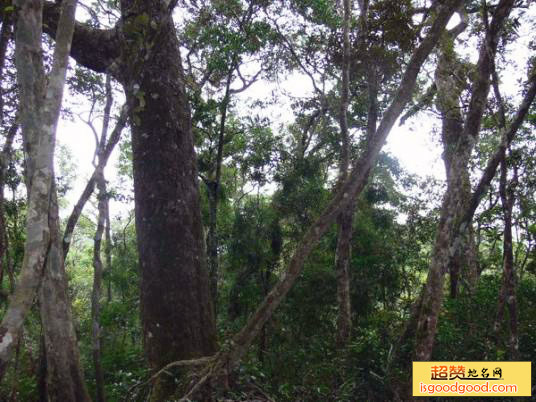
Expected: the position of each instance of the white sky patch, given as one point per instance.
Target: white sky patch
(412, 144)
(79, 139)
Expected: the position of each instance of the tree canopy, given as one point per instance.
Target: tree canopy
(242, 233)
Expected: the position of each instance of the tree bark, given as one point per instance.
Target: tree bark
(507, 293)
(176, 304)
(96, 294)
(450, 81)
(40, 105)
(453, 224)
(345, 219)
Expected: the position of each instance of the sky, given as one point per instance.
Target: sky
(412, 144)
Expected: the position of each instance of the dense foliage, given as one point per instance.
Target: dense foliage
(268, 160)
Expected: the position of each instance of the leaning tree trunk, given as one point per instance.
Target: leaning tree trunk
(39, 115)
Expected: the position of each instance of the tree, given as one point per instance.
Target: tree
(220, 40)
(43, 266)
(142, 53)
(352, 187)
(456, 219)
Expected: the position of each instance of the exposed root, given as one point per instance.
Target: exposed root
(202, 361)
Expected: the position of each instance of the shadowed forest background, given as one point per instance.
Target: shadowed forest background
(242, 235)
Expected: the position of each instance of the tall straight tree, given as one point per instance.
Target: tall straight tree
(344, 221)
(40, 104)
(142, 53)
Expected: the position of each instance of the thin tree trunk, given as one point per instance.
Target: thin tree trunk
(213, 190)
(42, 387)
(108, 251)
(64, 374)
(342, 265)
(39, 116)
(5, 157)
(97, 261)
(345, 218)
(5, 154)
(96, 294)
(5, 36)
(90, 186)
(14, 381)
(507, 293)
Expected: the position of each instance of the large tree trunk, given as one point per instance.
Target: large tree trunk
(143, 54)
(176, 306)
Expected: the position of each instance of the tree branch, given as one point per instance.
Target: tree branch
(93, 48)
(90, 186)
